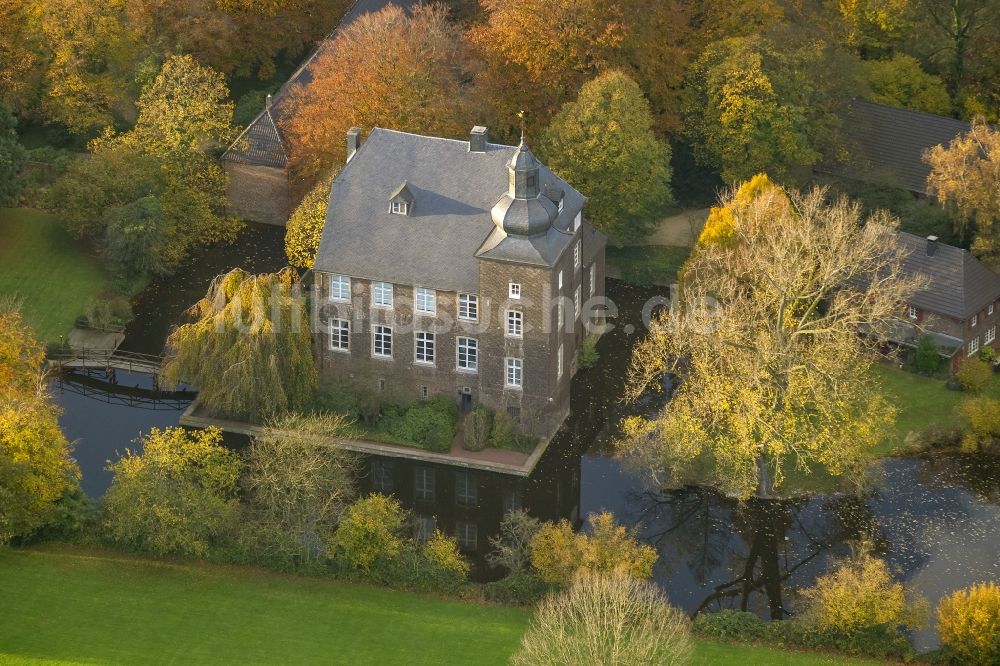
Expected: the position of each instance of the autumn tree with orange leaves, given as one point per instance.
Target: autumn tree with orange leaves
(385, 69)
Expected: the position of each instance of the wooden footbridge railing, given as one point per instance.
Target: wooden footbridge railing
(108, 360)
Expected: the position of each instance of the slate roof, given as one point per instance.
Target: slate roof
(259, 144)
(960, 285)
(454, 191)
(889, 142)
(268, 122)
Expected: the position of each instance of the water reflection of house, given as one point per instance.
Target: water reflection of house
(959, 307)
(468, 503)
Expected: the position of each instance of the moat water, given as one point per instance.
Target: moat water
(936, 520)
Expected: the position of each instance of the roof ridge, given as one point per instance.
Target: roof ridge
(431, 136)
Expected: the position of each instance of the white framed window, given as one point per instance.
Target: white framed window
(340, 288)
(340, 335)
(577, 221)
(467, 352)
(576, 303)
(560, 283)
(559, 363)
(560, 316)
(989, 310)
(515, 323)
(593, 283)
(382, 294)
(514, 290)
(561, 204)
(912, 312)
(468, 307)
(423, 347)
(382, 341)
(382, 480)
(426, 300)
(465, 489)
(975, 320)
(515, 370)
(423, 484)
(576, 255)
(424, 391)
(973, 345)
(991, 335)
(398, 207)
(467, 535)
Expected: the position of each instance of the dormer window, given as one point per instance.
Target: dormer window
(401, 201)
(560, 204)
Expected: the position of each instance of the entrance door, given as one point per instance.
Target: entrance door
(466, 402)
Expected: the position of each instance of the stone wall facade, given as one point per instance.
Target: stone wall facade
(258, 193)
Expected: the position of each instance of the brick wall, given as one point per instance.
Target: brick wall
(258, 193)
(542, 402)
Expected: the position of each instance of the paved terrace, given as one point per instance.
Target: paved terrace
(499, 461)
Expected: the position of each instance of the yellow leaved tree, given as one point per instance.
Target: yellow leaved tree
(764, 338)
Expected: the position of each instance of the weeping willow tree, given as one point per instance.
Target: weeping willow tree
(249, 349)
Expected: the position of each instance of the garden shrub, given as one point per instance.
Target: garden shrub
(478, 426)
(520, 588)
(981, 420)
(969, 623)
(880, 641)
(425, 425)
(177, 497)
(730, 625)
(503, 435)
(442, 551)
(926, 358)
(369, 531)
(587, 355)
(346, 399)
(973, 374)
(858, 594)
(608, 619)
(554, 552)
(557, 553)
(512, 545)
(610, 546)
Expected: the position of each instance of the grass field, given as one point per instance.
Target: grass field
(922, 402)
(71, 606)
(49, 271)
(648, 264)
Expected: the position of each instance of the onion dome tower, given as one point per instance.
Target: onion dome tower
(523, 210)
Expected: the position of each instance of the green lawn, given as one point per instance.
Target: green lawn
(72, 606)
(922, 402)
(52, 274)
(648, 264)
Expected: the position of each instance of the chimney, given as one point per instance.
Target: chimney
(931, 245)
(478, 138)
(353, 142)
(267, 102)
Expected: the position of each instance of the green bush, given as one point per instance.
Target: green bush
(425, 426)
(520, 588)
(107, 312)
(478, 427)
(587, 355)
(370, 532)
(730, 625)
(926, 358)
(973, 374)
(348, 400)
(503, 435)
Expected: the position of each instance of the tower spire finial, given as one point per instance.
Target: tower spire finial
(520, 114)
